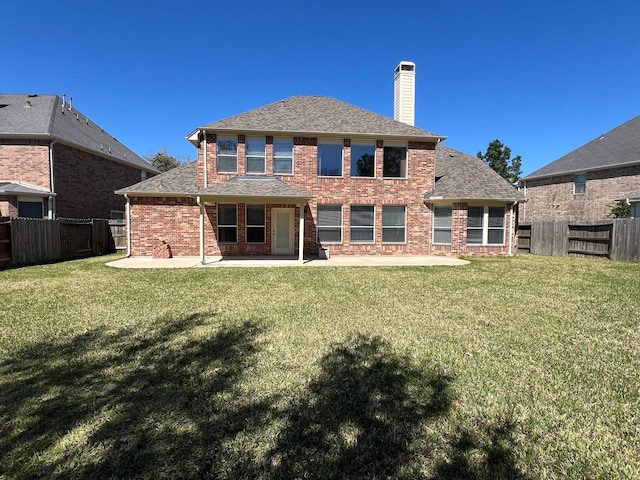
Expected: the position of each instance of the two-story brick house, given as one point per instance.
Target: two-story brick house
(585, 183)
(313, 172)
(56, 162)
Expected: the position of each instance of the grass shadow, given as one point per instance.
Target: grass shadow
(126, 404)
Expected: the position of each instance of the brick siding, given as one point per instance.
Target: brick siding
(176, 220)
(553, 198)
(25, 161)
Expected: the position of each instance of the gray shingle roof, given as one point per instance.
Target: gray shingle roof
(255, 187)
(306, 114)
(13, 188)
(620, 146)
(464, 177)
(177, 181)
(42, 116)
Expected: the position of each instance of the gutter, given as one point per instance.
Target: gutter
(511, 229)
(206, 182)
(52, 201)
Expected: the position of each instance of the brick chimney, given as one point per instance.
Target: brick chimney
(404, 93)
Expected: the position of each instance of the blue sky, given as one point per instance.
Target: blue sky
(544, 77)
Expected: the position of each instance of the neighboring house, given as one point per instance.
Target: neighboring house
(55, 162)
(310, 173)
(584, 184)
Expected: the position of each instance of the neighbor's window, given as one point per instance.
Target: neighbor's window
(330, 159)
(362, 222)
(395, 162)
(255, 223)
(227, 223)
(329, 224)
(442, 224)
(394, 224)
(579, 183)
(30, 209)
(363, 160)
(227, 155)
(282, 157)
(256, 155)
(117, 214)
(485, 225)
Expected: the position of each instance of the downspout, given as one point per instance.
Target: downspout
(52, 198)
(201, 205)
(206, 182)
(127, 216)
(511, 229)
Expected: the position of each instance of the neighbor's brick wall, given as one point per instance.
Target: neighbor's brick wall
(8, 206)
(553, 198)
(85, 183)
(25, 161)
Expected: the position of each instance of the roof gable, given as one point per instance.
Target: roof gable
(620, 146)
(306, 114)
(45, 116)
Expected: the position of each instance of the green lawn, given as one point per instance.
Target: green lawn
(525, 367)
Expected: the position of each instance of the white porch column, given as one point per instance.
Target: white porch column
(301, 235)
(201, 205)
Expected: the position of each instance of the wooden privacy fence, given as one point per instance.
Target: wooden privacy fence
(26, 241)
(617, 239)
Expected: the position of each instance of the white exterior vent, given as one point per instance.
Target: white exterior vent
(404, 93)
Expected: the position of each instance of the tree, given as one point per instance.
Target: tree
(162, 160)
(498, 157)
(620, 209)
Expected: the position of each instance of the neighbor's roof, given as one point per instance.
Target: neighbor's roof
(313, 115)
(620, 146)
(45, 117)
(16, 188)
(464, 177)
(177, 181)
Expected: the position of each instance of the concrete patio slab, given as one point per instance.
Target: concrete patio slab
(335, 261)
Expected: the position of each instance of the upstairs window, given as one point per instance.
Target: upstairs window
(362, 223)
(329, 224)
(442, 224)
(256, 155)
(330, 159)
(227, 155)
(395, 162)
(579, 184)
(282, 157)
(363, 160)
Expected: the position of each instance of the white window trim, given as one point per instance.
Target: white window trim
(485, 226)
(585, 183)
(362, 242)
(293, 149)
(226, 226)
(405, 226)
(433, 232)
(329, 141)
(226, 137)
(396, 144)
(247, 225)
(330, 226)
(364, 143)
